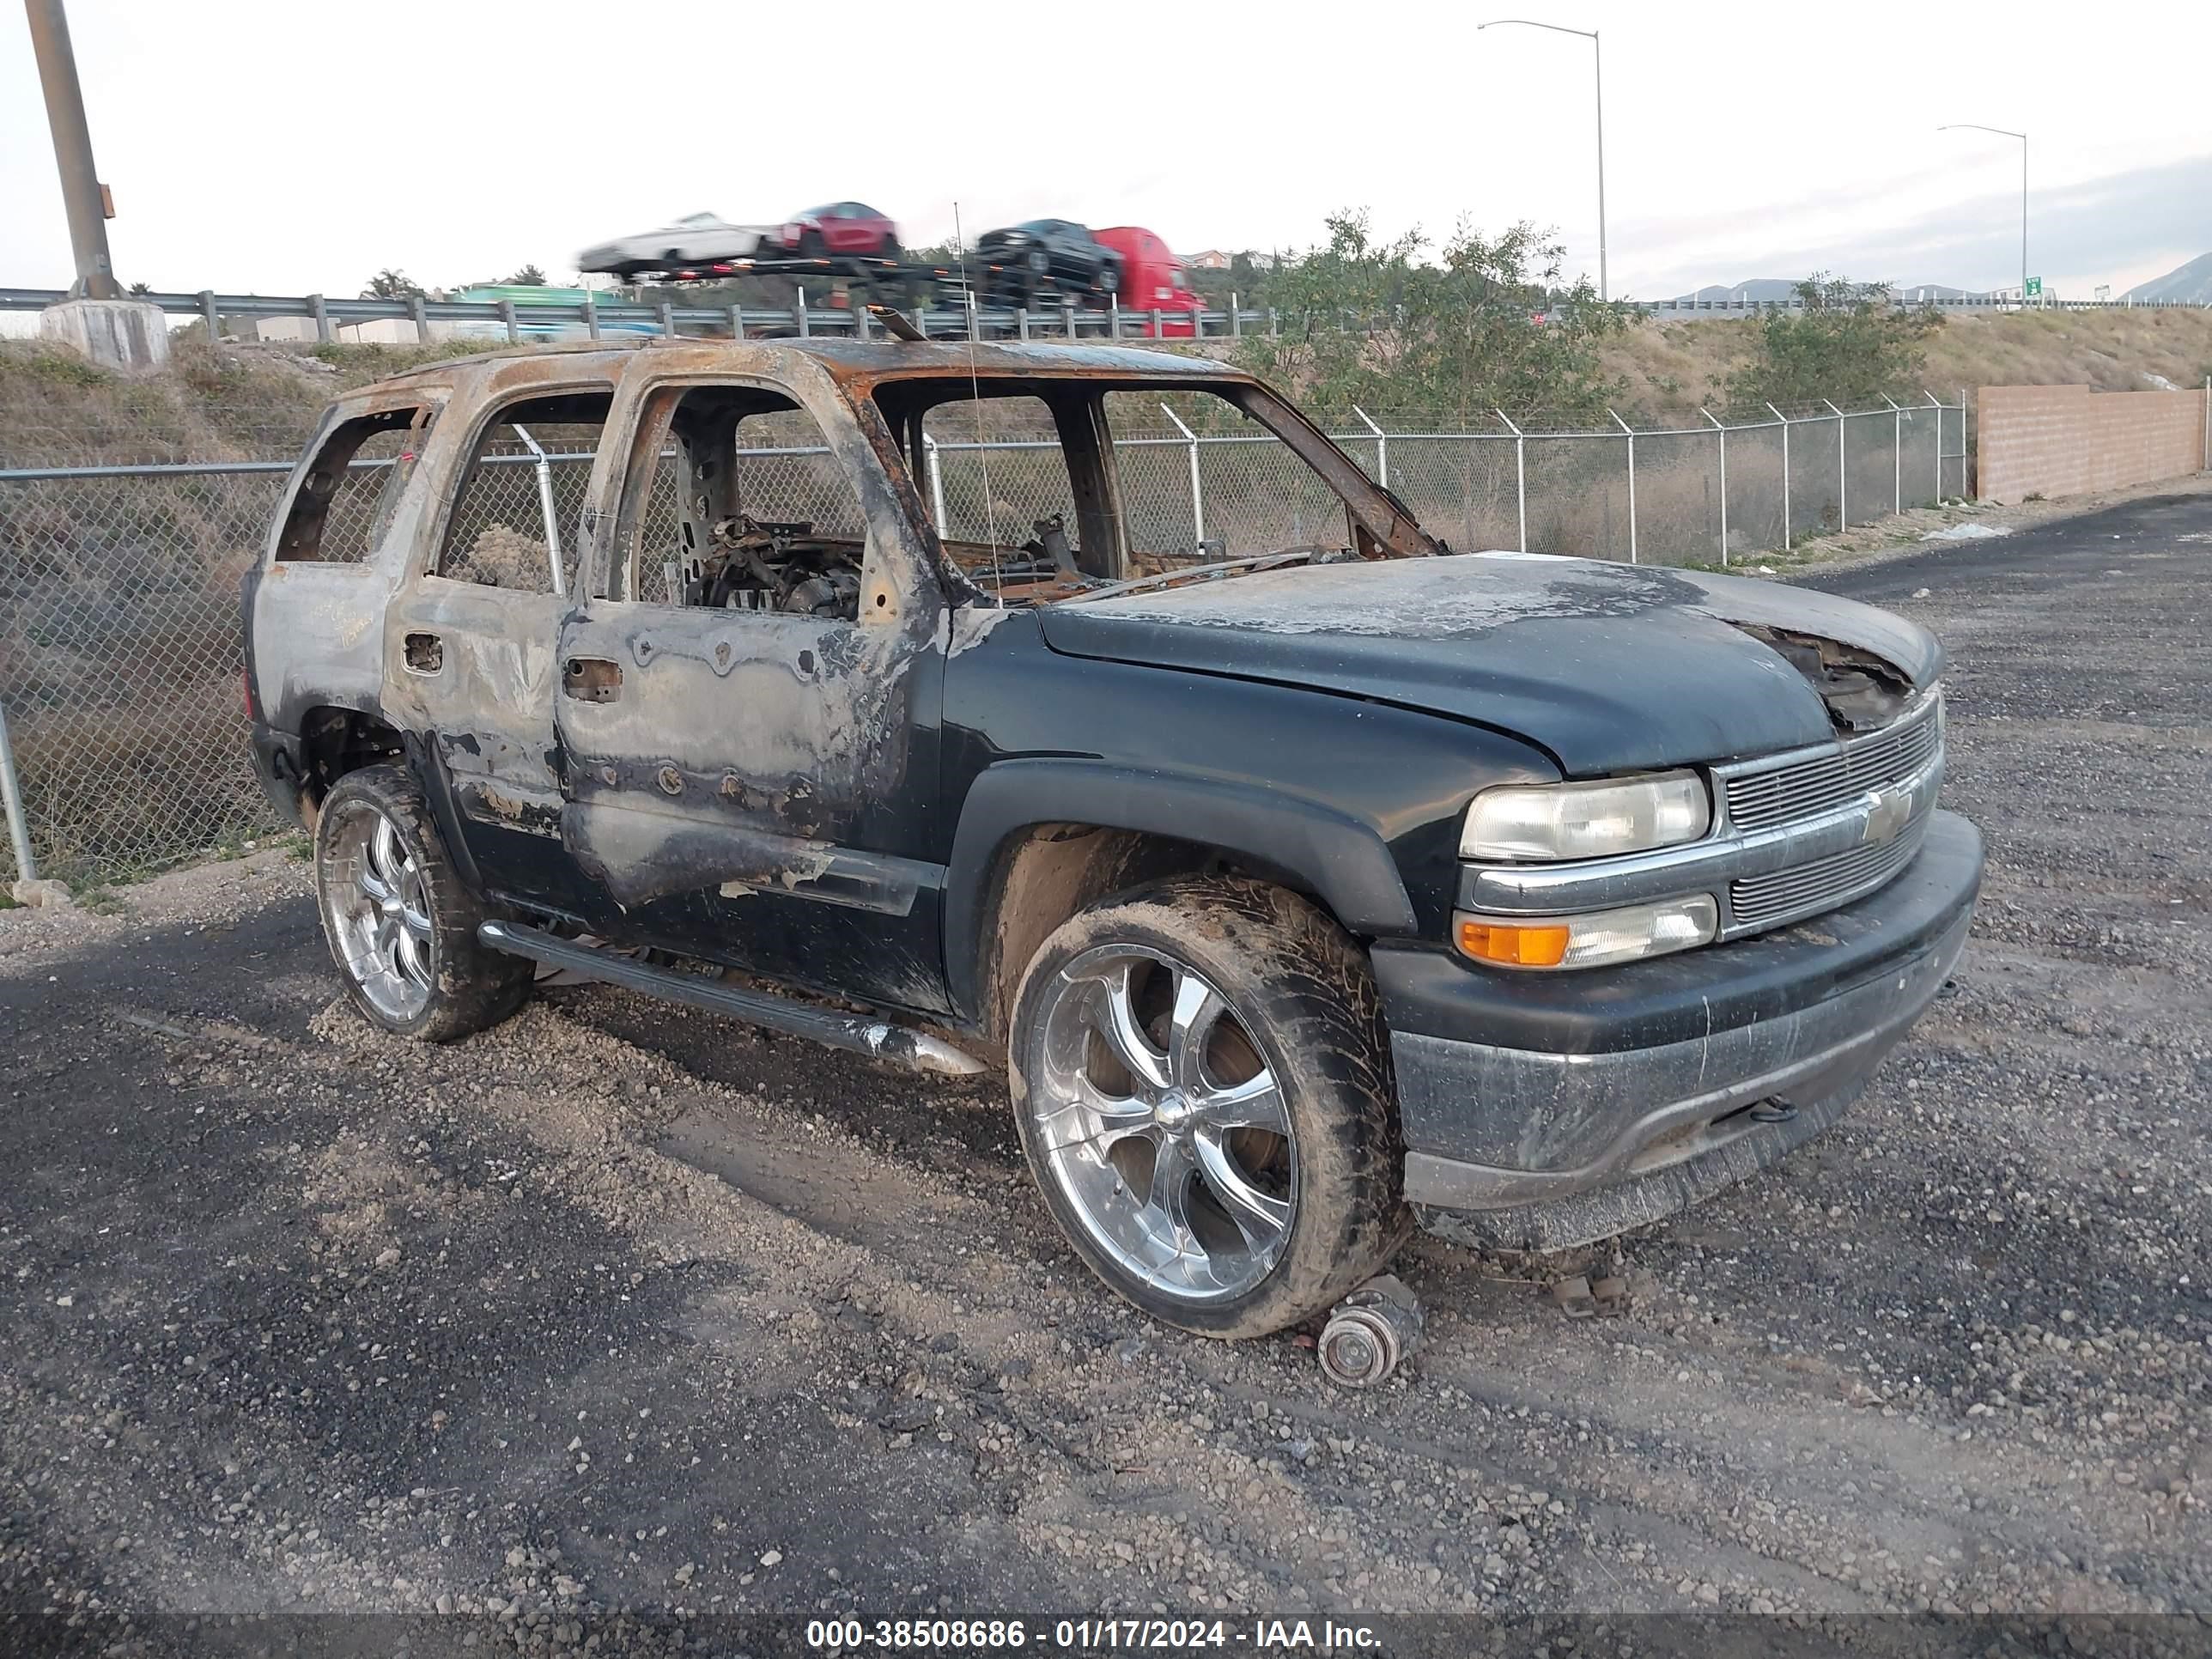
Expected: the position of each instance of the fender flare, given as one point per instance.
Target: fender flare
(1343, 859)
(437, 785)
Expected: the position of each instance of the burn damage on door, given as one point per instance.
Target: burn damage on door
(746, 710)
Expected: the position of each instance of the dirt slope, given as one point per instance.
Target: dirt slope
(1683, 363)
(256, 403)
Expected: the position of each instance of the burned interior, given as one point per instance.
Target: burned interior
(747, 507)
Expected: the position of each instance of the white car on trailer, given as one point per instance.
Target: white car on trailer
(695, 239)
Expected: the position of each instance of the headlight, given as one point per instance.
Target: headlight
(1592, 940)
(1586, 820)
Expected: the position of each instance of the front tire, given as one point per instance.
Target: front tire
(402, 925)
(1202, 1085)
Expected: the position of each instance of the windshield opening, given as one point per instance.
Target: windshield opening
(1046, 491)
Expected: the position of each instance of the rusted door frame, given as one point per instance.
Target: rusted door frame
(485, 711)
(758, 786)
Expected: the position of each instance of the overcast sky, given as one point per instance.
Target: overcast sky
(284, 148)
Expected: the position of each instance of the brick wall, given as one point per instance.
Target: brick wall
(2055, 441)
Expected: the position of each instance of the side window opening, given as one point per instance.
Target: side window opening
(523, 495)
(748, 508)
(347, 502)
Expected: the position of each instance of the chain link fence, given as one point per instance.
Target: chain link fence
(120, 665)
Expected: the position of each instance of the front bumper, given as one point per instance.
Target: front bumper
(1541, 1111)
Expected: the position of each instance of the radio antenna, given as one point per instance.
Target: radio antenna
(976, 401)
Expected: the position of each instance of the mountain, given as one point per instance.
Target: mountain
(2191, 284)
(1758, 288)
(1784, 288)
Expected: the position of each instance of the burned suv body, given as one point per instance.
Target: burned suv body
(1310, 880)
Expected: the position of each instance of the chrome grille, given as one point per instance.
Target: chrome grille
(1805, 890)
(1814, 783)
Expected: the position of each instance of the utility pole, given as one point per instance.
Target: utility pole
(81, 191)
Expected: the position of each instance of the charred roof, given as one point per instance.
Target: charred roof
(864, 360)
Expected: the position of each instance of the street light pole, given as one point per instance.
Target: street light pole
(2008, 132)
(1597, 53)
(81, 198)
(1597, 59)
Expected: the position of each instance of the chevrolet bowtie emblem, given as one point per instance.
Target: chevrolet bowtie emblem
(1887, 813)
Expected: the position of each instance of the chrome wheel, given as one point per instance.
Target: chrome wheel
(376, 904)
(1161, 1124)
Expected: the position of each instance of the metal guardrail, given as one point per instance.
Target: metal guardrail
(1961, 303)
(597, 318)
(1069, 320)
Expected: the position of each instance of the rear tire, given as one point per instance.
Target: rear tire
(1202, 1085)
(401, 924)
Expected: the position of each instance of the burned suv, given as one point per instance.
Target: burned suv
(1309, 881)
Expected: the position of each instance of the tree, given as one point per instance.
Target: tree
(1849, 342)
(391, 284)
(528, 276)
(1244, 279)
(1484, 324)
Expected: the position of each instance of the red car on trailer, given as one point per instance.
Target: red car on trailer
(848, 227)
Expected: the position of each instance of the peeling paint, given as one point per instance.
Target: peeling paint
(969, 625)
(1611, 667)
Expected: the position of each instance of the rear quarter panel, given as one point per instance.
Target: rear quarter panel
(315, 630)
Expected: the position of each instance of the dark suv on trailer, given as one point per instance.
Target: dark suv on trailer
(1309, 881)
(1042, 254)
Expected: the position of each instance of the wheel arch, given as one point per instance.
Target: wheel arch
(336, 738)
(1039, 840)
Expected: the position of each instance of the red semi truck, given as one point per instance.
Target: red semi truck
(1152, 280)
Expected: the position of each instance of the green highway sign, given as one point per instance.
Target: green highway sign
(2034, 287)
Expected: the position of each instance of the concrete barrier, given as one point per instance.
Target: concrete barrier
(125, 334)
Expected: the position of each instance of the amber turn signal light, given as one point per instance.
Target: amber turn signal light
(1538, 945)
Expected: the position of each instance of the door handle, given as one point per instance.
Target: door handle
(592, 679)
(425, 653)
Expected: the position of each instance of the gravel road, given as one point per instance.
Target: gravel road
(622, 1314)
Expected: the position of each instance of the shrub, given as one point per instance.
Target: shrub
(1484, 324)
(1850, 344)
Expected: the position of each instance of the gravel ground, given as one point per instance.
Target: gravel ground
(622, 1314)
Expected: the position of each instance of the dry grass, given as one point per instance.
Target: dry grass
(258, 402)
(237, 404)
(1682, 364)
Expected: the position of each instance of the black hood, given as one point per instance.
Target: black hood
(1609, 667)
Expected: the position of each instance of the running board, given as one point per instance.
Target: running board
(878, 1039)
